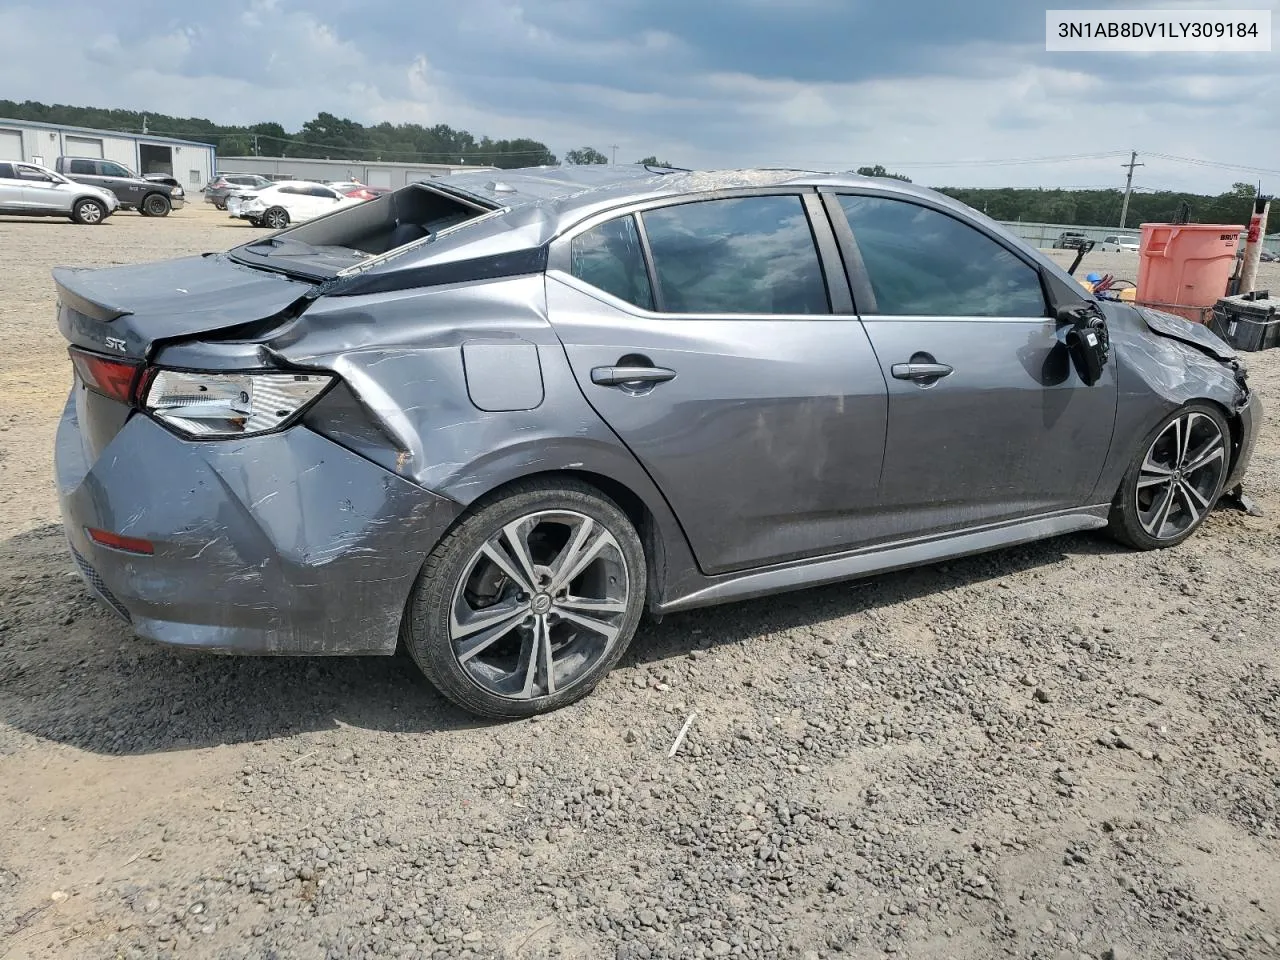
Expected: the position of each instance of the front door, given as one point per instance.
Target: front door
(40, 191)
(988, 419)
(757, 409)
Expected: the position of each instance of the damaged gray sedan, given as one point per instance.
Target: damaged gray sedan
(498, 420)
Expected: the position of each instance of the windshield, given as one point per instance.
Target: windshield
(320, 248)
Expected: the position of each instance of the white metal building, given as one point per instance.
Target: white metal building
(373, 173)
(192, 163)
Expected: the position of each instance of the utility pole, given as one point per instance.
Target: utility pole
(614, 147)
(255, 144)
(1128, 184)
(1253, 243)
(144, 124)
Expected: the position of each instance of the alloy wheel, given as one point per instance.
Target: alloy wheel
(539, 604)
(277, 220)
(90, 213)
(1180, 475)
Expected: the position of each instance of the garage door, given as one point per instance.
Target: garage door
(84, 147)
(379, 178)
(11, 145)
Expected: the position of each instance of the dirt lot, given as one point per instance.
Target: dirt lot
(1065, 750)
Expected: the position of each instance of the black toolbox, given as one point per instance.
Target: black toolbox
(1248, 321)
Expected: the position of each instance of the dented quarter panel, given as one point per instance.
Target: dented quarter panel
(408, 374)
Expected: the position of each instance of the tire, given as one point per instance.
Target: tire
(155, 205)
(1192, 448)
(276, 218)
(501, 671)
(219, 204)
(88, 212)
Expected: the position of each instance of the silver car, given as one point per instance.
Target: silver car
(496, 418)
(27, 190)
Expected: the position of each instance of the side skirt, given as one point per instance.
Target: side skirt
(885, 558)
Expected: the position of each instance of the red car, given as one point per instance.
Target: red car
(362, 192)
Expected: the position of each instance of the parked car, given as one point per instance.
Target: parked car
(360, 191)
(149, 198)
(281, 204)
(28, 190)
(1070, 240)
(496, 420)
(1264, 255)
(1117, 242)
(217, 189)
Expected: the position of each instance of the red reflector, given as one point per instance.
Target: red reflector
(118, 542)
(105, 375)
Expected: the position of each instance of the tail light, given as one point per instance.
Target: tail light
(218, 405)
(108, 376)
(204, 405)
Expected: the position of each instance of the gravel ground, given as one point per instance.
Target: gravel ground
(1064, 750)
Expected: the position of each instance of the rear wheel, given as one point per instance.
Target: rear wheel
(276, 218)
(88, 212)
(1174, 480)
(219, 204)
(529, 601)
(155, 205)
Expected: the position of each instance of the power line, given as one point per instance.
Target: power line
(1215, 163)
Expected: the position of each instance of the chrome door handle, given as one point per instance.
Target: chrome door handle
(614, 376)
(920, 371)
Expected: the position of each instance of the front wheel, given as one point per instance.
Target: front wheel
(529, 601)
(88, 212)
(155, 205)
(1174, 480)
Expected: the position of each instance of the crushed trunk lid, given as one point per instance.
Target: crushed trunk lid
(124, 311)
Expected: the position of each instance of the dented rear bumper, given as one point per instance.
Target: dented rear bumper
(278, 544)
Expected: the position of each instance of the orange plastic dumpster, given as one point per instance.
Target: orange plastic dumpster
(1183, 268)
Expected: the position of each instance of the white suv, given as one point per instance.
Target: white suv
(27, 190)
(1118, 242)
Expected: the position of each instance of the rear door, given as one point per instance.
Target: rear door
(707, 335)
(11, 197)
(988, 419)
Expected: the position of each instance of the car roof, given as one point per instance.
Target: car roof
(533, 205)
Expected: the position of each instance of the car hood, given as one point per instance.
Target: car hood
(1193, 334)
(134, 307)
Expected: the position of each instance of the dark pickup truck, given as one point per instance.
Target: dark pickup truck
(150, 198)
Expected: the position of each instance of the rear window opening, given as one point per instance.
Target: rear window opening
(321, 248)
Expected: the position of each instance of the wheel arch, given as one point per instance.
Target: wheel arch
(666, 549)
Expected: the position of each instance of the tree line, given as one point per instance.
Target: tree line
(1098, 208)
(327, 136)
(337, 138)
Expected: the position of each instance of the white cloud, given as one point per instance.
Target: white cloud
(650, 89)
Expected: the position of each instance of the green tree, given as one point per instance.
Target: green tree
(585, 155)
(652, 161)
(879, 171)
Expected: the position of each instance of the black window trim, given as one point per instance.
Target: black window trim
(860, 281)
(820, 227)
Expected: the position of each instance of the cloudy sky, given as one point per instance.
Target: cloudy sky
(923, 87)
